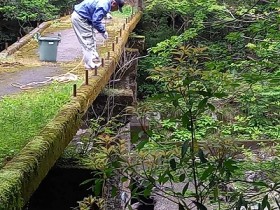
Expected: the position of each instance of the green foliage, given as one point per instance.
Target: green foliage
(195, 92)
(106, 155)
(241, 42)
(217, 81)
(87, 203)
(167, 24)
(232, 83)
(26, 10)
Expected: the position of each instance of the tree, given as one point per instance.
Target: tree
(218, 83)
(28, 10)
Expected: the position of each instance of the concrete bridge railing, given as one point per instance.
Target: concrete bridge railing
(22, 175)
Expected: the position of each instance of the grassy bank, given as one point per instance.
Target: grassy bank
(23, 116)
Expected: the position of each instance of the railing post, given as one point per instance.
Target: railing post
(102, 62)
(95, 71)
(74, 90)
(113, 46)
(86, 76)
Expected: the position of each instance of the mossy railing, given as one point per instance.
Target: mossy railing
(20, 177)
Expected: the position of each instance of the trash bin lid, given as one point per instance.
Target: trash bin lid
(45, 38)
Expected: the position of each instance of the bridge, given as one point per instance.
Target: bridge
(21, 175)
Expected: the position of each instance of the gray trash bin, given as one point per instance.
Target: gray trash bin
(48, 48)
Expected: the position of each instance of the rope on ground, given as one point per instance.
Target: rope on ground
(63, 78)
(60, 78)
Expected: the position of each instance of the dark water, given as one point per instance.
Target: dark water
(60, 190)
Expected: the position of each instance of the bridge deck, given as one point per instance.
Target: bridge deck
(21, 176)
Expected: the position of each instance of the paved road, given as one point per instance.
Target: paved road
(37, 74)
(69, 47)
(68, 50)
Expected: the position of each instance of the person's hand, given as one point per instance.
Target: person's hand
(109, 16)
(105, 35)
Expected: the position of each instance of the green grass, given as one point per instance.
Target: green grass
(24, 115)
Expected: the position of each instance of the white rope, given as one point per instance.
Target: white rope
(63, 78)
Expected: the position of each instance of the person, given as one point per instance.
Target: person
(86, 17)
(109, 16)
